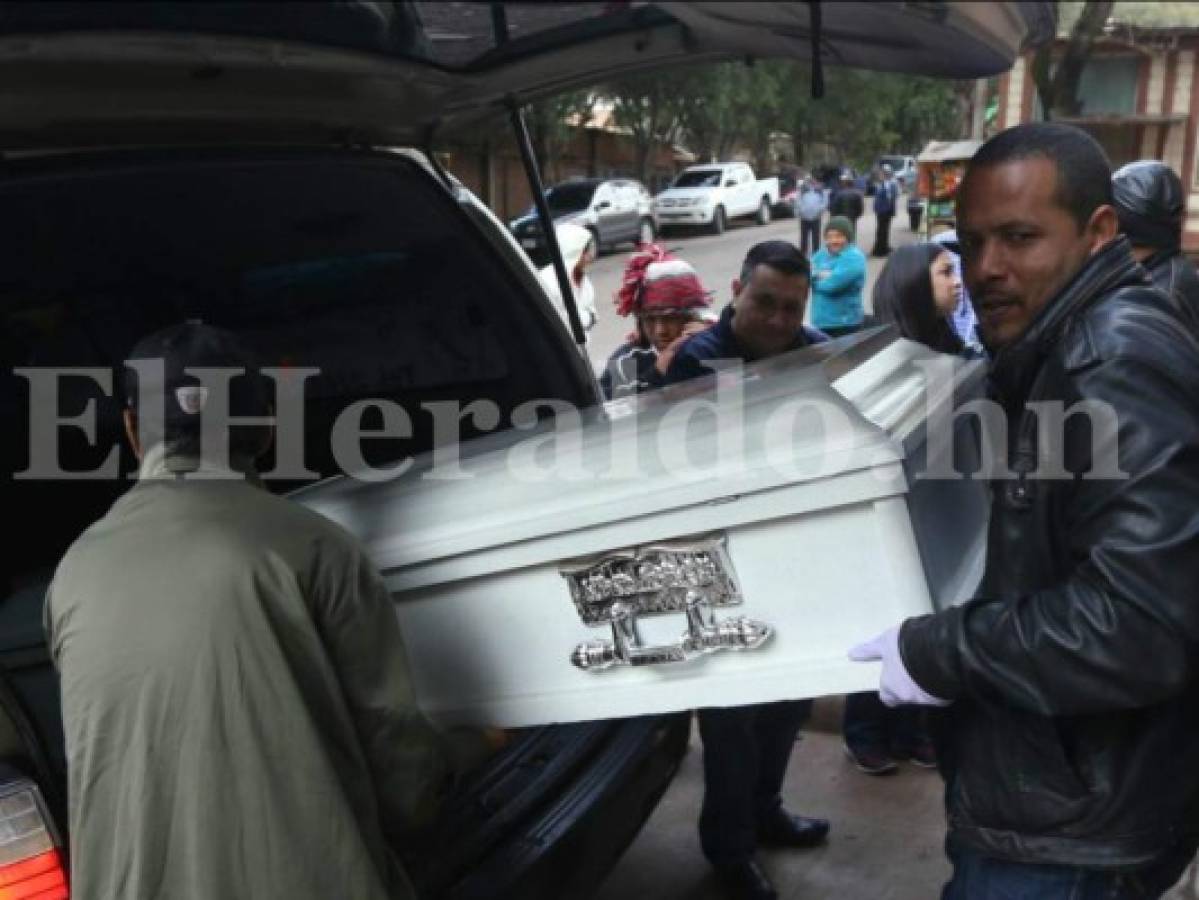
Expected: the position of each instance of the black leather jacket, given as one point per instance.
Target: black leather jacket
(1174, 274)
(1074, 735)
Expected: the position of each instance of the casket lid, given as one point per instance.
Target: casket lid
(812, 415)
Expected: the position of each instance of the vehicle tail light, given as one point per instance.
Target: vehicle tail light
(30, 863)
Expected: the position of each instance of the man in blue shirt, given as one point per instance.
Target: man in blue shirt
(747, 748)
(886, 198)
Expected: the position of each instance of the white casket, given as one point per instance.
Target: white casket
(671, 551)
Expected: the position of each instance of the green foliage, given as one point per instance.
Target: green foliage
(1146, 15)
(717, 109)
(552, 122)
(863, 114)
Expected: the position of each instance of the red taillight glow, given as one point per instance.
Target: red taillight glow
(40, 877)
(30, 865)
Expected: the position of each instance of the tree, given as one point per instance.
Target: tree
(653, 107)
(1057, 85)
(552, 123)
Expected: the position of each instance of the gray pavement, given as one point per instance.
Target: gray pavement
(717, 260)
(885, 844)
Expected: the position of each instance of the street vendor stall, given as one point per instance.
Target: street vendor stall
(940, 167)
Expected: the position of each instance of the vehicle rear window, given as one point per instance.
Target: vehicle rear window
(359, 265)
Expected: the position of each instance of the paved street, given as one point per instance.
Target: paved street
(885, 844)
(717, 260)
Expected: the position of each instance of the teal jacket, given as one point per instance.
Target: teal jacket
(837, 282)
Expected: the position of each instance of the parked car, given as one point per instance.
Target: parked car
(615, 211)
(169, 161)
(711, 195)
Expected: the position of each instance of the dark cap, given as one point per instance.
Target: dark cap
(781, 255)
(192, 345)
(1151, 203)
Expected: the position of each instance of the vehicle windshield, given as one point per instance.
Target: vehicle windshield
(698, 178)
(895, 162)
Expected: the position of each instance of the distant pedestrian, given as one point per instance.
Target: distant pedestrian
(809, 209)
(838, 276)
(847, 201)
(1151, 204)
(886, 199)
(668, 304)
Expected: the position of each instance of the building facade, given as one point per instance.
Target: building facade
(1140, 100)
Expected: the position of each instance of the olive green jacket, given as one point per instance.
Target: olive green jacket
(239, 716)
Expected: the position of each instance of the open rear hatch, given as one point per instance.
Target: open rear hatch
(386, 73)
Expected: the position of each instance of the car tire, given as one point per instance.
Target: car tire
(763, 216)
(599, 245)
(719, 222)
(645, 233)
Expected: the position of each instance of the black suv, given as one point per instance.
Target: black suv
(228, 161)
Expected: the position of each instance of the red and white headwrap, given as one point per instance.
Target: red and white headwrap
(657, 281)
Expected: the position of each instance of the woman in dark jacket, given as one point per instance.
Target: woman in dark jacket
(917, 291)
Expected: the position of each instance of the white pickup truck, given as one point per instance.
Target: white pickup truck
(711, 195)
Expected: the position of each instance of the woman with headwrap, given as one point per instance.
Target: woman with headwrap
(578, 253)
(669, 304)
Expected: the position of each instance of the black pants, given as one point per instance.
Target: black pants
(809, 229)
(869, 724)
(882, 237)
(746, 751)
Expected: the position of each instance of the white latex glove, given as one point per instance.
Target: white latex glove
(895, 686)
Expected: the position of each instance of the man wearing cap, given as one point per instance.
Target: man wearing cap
(746, 749)
(1151, 204)
(886, 199)
(238, 713)
(847, 200)
(669, 304)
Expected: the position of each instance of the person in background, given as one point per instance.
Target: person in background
(1151, 204)
(809, 209)
(918, 291)
(747, 748)
(668, 303)
(963, 320)
(886, 199)
(847, 200)
(838, 276)
(578, 253)
(1070, 681)
(239, 716)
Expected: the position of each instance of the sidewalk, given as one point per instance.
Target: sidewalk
(885, 842)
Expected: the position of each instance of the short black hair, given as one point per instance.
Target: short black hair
(187, 345)
(1084, 173)
(782, 256)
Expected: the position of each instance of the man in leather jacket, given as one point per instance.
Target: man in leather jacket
(1071, 722)
(1151, 203)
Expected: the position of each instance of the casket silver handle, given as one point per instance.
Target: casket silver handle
(704, 634)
